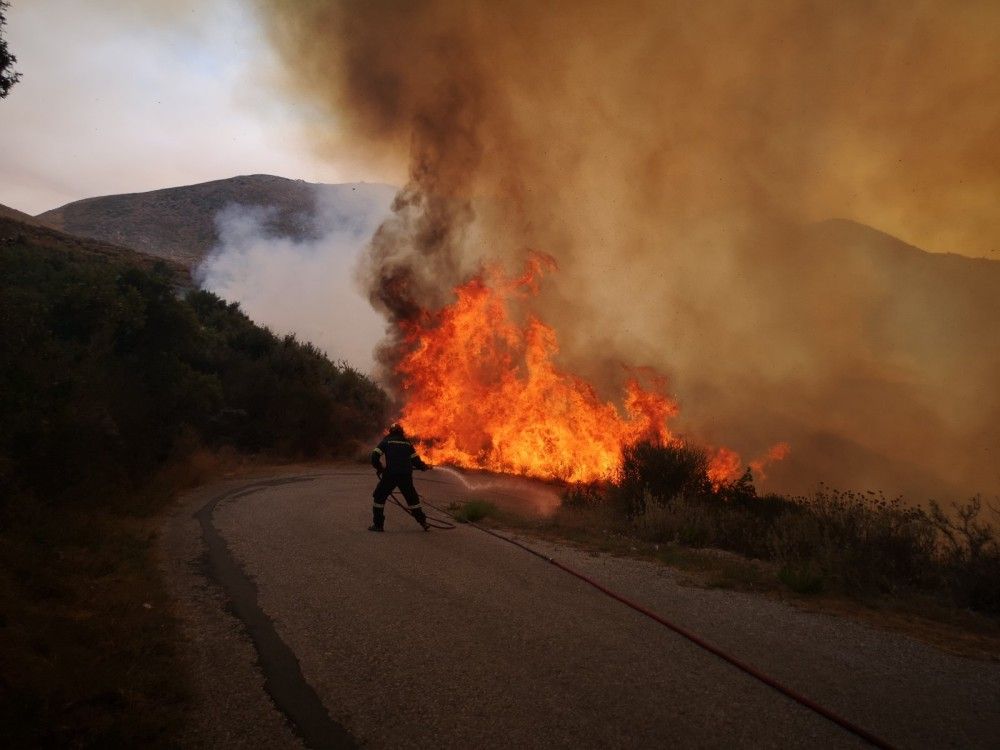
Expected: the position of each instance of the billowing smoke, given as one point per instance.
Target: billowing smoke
(681, 162)
(304, 284)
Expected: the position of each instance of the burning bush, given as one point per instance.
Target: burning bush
(485, 392)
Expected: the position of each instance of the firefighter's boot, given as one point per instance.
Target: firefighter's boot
(418, 513)
(378, 519)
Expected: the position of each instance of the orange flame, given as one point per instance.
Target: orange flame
(483, 392)
(776, 452)
(723, 467)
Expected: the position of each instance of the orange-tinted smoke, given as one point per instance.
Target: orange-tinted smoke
(668, 156)
(884, 112)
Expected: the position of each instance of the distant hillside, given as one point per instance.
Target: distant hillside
(877, 361)
(179, 223)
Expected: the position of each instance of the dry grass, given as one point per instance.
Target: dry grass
(87, 639)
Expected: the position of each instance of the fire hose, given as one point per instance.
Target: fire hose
(434, 523)
(743, 666)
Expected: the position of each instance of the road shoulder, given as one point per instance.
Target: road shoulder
(229, 707)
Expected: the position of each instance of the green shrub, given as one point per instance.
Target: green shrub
(472, 511)
(112, 385)
(107, 375)
(802, 579)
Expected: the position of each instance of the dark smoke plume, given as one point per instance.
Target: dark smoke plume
(680, 161)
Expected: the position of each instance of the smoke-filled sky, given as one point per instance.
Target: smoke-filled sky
(678, 161)
(886, 113)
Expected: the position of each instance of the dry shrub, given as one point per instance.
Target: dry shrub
(856, 542)
(859, 541)
(692, 522)
(969, 555)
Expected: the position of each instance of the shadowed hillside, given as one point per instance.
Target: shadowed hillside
(17, 229)
(109, 372)
(6, 212)
(179, 223)
(879, 364)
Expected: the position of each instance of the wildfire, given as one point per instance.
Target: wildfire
(483, 391)
(724, 466)
(776, 452)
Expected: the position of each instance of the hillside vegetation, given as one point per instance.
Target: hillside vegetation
(106, 374)
(855, 543)
(6, 212)
(113, 379)
(16, 231)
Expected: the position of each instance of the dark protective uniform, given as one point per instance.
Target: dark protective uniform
(400, 461)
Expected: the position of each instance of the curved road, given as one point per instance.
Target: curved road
(304, 628)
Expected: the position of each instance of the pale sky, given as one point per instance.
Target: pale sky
(126, 97)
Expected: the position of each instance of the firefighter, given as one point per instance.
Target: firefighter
(400, 461)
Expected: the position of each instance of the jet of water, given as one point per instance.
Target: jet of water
(465, 482)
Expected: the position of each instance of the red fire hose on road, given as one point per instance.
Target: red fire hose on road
(697, 640)
(434, 523)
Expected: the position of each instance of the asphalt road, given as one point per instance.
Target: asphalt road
(303, 627)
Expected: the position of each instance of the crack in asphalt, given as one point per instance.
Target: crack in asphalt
(283, 678)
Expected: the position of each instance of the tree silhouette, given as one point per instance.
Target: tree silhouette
(8, 76)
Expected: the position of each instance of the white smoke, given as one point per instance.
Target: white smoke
(303, 284)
